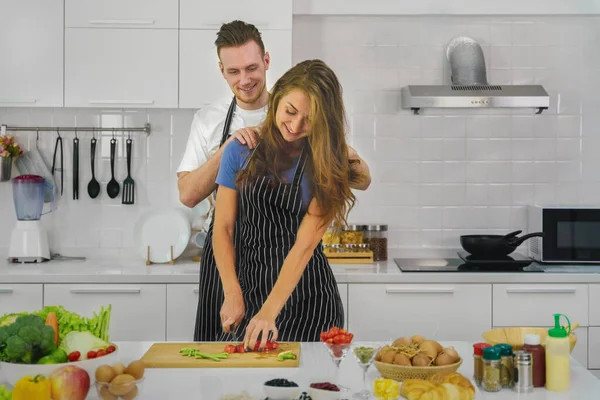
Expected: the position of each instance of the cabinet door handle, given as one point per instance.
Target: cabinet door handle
(258, 25)
(392, 289)
(196, 291)
(122, 22)
(533, 290)
(106, 291)
(20, 101)
(6, 291)
(111, 102)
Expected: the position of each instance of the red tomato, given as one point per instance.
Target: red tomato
(334, 331)
(92, 354)
(329, 341)
(110, 349)
(343, 331)
(240, 348)
(101, 353)
(274, 345)
(323, 336)
(230, 348)
(74, 356)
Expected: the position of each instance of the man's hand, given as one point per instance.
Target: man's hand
(249, 136)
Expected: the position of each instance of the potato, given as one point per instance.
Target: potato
(401, 359)
(122, 384)
(131, 395)
(105, 373)
(389, 357)
(106, 395)
(118, 368)
(136, 369)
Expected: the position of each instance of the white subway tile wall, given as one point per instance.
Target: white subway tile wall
(435, 176)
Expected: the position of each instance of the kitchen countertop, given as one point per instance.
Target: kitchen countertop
(132, 269)
(315, 366)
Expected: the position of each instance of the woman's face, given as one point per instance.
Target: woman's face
(292, 115)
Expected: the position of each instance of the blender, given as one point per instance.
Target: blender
(28, 240)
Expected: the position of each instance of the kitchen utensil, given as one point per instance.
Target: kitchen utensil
(128, 184)
(166, 355)
(161, 230)
(62, 169)
(494, 245)
(515, 336)
(112, 189)
(93, 186)
(76, 167)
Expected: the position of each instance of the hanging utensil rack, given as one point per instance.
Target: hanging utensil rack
(4, 128)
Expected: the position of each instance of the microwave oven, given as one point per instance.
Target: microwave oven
(571, 234)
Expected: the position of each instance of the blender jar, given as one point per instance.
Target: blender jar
(28, 196)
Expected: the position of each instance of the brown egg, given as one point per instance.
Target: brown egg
(417, 339)
(402, 340)
(421, 360)
(389, 357)
(104, 373)
(122, 384)
(443, 359)
(136, 369)
(106, 395)
(401, 359)
(131, 395)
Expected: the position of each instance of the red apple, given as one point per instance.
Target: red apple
(70, 383)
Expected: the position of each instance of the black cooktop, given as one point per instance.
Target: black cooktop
(465, 262)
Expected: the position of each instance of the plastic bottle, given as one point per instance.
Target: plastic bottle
(558, 353)
(533, 346)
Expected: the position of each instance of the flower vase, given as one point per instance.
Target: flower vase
(5, 168)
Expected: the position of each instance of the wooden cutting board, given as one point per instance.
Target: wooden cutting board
(166, 355)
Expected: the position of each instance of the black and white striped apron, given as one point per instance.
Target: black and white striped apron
(268, 220)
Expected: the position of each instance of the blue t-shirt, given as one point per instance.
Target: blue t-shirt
(233, 159)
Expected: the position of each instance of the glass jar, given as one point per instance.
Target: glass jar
(506, 360)
(335, 248)
(478, 361)
(491, 370)
(376, 238)
(361, 248)
(353, 234)
(330, 237)
(350, 248)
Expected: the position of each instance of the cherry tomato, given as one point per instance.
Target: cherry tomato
(240, 348)
(110, 349)
(74, 356)
(274, 345)
(230, 348)
(101, 353)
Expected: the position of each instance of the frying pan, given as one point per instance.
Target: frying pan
(494, 245)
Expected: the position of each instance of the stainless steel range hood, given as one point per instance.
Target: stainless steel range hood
(469, 87)
(416, 97)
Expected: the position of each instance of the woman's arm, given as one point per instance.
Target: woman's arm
(312, 228)
(362, 168)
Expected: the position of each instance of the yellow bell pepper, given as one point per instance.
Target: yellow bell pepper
(36, 388)
(386, 389)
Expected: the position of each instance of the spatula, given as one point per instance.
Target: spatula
(128, 183)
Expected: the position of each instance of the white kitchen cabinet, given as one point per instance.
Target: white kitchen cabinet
(594, 305)
(594, 348)
(343, 289)
(134, 68)
(138, 310)
(596, 373)
(536, 304)
(31, 53)
(15, 298)
(384, 312)
(265, 14)
(182, 304)
(122, 13)
(200, 79)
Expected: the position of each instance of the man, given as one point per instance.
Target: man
(243, 62)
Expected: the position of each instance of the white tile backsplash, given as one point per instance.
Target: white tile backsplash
(435, 176)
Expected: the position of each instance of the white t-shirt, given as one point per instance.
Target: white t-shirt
(206, 133)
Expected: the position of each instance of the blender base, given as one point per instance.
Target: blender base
(28, 243)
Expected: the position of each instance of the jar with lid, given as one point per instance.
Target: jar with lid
(350, 248)
(335, 248)
(376, 238)
(506, 360)
(353, 234)
(491, 370)
(538, 356)
(478, 361)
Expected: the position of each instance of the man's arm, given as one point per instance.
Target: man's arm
(361, 167)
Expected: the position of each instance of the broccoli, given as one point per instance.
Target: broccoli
(26, 340)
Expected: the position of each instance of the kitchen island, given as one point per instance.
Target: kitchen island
(315, 366)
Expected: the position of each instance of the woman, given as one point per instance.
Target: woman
(284, 195)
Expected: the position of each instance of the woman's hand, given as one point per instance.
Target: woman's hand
(232, 311)
(260, 323)
(249, 136)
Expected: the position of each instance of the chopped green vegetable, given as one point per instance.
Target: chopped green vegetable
(190, 352)
(286, 355)
(26, 340)
(365, 354)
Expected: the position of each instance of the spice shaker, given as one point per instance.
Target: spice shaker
(478, 361)
(491, 370)
(523, 373)
(506, 369)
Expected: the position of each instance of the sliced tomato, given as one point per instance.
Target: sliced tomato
(230, 348)
(274, 345)
(240, 348)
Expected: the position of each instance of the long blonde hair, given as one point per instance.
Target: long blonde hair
(328, 164)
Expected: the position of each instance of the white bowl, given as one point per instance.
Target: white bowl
(282, 393)
(13, 372)
(321, 394)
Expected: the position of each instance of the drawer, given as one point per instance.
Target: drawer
(131, 14)
(534, 304)
(383, 312)
(182, 304)
(594, 305)
(138, 311)
(20, 298)
(594, 348)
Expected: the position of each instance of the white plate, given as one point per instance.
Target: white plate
(160, 229)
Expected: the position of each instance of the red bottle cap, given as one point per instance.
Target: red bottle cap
(478, 348)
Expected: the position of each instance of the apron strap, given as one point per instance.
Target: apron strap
(227, 124)
(300, 166)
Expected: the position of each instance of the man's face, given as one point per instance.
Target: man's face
(245, 69)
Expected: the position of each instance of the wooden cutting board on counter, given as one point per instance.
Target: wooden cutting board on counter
(166, 355)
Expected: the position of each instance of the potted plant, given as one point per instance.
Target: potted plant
(9, 150)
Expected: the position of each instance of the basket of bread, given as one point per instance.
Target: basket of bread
(441, 385)
(415, 358)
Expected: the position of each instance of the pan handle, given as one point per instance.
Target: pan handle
(512, 234)
(517, 241)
